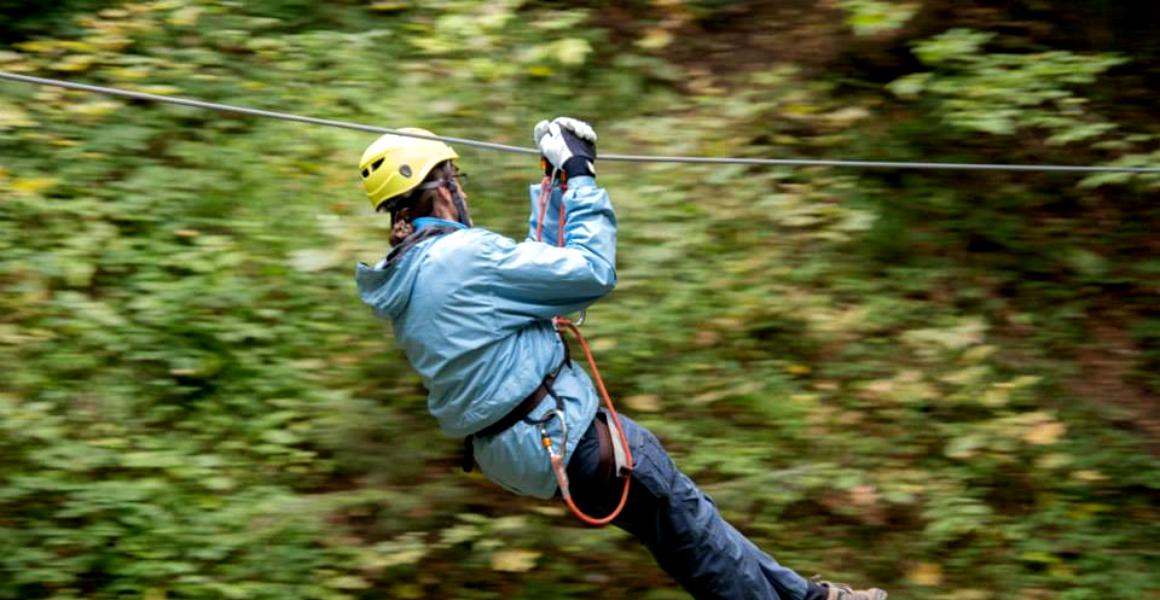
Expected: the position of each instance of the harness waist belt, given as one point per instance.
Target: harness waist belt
(515, 415)
(523, 409)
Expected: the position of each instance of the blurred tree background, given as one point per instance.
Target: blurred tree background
(942, 383)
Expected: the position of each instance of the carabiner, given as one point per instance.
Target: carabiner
(546, 438)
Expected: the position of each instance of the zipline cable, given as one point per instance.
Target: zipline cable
(257, 112)
(787, 162)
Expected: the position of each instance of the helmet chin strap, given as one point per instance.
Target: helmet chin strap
(457, 200)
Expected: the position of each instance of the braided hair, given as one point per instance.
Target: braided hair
(419, 202)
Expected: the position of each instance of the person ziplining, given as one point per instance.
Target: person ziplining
(477, 315)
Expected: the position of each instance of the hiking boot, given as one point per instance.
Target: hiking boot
(838, 591)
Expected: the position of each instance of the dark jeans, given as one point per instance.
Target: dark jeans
(679, 524)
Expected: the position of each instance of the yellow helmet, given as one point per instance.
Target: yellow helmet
(395, 164)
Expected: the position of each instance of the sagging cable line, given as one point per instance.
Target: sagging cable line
(256, 112)
(785, 162)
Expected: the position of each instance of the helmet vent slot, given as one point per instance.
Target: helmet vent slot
(374, 167)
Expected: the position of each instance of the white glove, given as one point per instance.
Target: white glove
(568, 144)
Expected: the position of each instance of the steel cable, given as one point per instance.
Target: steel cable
(788, 162)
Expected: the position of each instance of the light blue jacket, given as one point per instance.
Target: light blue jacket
(472, 310)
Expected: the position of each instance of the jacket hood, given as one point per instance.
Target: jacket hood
(388, 290)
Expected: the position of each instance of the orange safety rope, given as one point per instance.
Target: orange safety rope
(562, 324)
(545, 191)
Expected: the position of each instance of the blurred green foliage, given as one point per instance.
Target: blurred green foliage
(943, 384)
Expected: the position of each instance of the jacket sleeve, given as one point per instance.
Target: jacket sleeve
(541, 279)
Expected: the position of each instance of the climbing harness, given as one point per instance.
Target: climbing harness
(519, 413)
(785, 162)
(621, 453)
